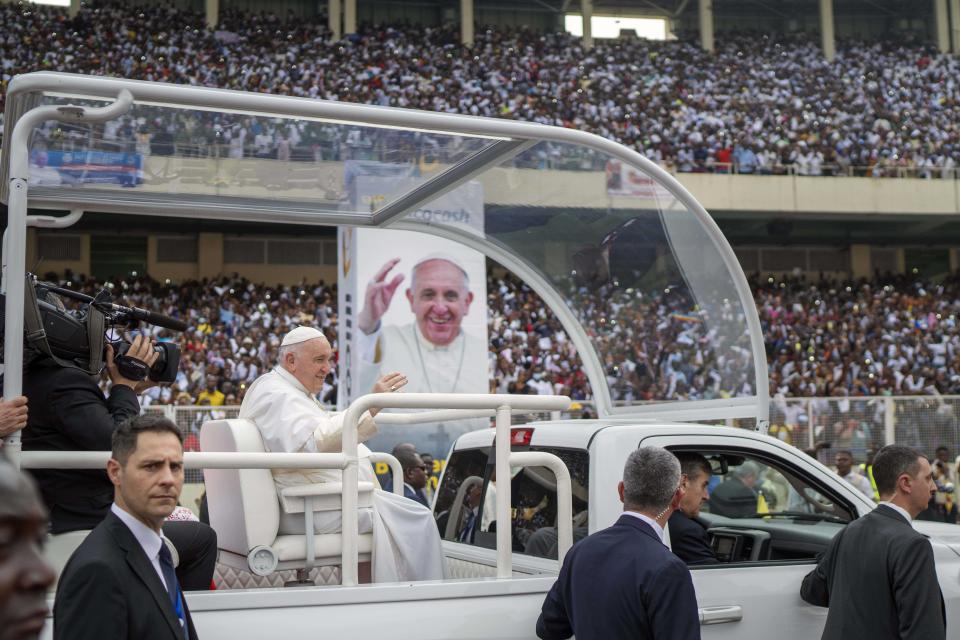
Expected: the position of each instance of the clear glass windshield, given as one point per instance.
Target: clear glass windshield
(191, 154)
(641, 285)
(636, 268)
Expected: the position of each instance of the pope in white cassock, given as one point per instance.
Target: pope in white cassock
(284, 406)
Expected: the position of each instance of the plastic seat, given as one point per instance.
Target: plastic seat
(245, 509)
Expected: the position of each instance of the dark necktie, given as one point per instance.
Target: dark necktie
(467, 528)
(173, 587)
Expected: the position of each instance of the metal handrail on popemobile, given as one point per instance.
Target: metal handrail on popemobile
(447, 406)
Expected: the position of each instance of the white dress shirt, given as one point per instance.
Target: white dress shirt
(150, 541)
(657, 529)
(899, 510)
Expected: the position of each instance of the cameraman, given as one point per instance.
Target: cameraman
(68, 412)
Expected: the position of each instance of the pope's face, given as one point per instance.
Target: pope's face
(311, 363)
(439, 299)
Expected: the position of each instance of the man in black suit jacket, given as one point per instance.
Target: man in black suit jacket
(414, 476)
(119, 584)
(68, 412)
(878, 575)
(622, 582)
(688, 534)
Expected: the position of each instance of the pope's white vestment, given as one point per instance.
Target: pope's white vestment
(406, 542)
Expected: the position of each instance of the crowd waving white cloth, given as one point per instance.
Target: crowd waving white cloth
(405, 537)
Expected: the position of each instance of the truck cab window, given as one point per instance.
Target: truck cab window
(758, 511)
(458, 499)
(533, 505)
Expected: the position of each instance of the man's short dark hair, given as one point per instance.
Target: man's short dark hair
(408, 458)
(891, 462)
(844, 452)
(692, 464)
(124, 440)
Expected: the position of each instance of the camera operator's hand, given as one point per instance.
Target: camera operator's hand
(141, 349)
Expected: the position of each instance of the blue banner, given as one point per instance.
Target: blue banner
(94, 167)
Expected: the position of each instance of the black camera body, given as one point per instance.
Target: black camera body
(164, 368)
(77, 338)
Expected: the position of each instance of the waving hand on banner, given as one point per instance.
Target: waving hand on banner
(378, 296)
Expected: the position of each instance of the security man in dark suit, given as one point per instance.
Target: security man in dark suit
(623, 582)
(878, 575)
(68, 412)
(688, 534)
(120, 584)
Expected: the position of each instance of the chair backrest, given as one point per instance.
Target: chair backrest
(243, 504)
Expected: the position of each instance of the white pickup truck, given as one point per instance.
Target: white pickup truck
(642, 282)
(753, 589)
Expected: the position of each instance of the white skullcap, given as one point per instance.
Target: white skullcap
(445, 257)
(301, 334)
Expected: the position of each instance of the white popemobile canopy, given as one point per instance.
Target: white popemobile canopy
(594, 237)
(643, 282)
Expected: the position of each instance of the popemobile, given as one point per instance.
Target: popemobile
(635, 270)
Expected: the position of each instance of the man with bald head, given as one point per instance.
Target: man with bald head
(24, 575)
(283, 404)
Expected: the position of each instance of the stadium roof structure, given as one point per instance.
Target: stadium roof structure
(628, 260)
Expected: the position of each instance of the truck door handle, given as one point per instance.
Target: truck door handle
(719, 615)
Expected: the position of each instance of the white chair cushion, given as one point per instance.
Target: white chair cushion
(290, 548)
(243, 504)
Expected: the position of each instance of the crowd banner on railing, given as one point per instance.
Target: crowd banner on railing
(412, 303)
(53, 168)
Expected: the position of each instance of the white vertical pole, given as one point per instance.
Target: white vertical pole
(349, 530)
(889, 421)
(586, 8)
(504, 521)
(466, 21)
(706, 25)
(333, 18)
(954, 26)
(74, 8)
(349, 17)
(15, 258)
(212, 13)
(941, 25)
(826, 29)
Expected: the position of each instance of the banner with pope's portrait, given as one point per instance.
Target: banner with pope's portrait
(413, 303)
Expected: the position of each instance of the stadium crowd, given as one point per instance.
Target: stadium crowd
(894, 335)
(758, 105)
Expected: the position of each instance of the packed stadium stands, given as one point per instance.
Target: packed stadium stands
(756, 106)
(892, 335)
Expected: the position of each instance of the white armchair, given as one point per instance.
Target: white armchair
(245, 509)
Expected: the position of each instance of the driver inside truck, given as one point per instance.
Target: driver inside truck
(689, 539)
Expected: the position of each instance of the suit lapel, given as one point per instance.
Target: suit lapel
(143, 569)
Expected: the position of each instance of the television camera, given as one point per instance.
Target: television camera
(78, 338)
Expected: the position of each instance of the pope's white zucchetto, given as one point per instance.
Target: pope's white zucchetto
(301, 334)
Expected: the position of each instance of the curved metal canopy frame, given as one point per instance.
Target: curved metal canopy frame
(504, 139)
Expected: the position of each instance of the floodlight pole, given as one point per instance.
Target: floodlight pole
(15, 253)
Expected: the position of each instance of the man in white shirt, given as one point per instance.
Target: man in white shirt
(120, 582)
(283, 404)
(844, 462)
